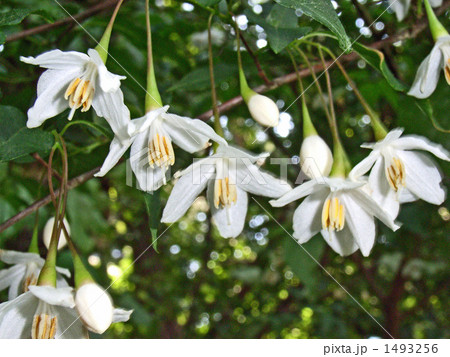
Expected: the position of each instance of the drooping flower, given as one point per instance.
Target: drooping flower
(263, 110)
(400, 173)
(316, 158)
(47, 233)
(24, 272)
(151, 140)
(401, 7)
(339, 209)
(228, 176)
(73, 80)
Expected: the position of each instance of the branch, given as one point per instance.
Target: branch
(68, 20)
(76, 181)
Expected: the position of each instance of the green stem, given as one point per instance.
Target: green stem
(436, 28)
(152, 96)
(246, 91)
(102, 47)
(87, 123)
(34, 247)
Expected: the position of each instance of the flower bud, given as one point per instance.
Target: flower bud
(95, 307)
(263, 110)
(47, 234)
(316, 159)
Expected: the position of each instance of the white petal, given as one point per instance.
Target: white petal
(364, 166)
(57, 59)
(10, 276)
(341, 242)
(149, 179)
(435, 3)
(108, 81)
(405, 195)
(142, 124)
(229, 220)
(16, 316)
(233, 152)
(307, 220)
(427, 76)
(360, 223)
(63, 271)
(400, 7)
(415, 142)
(111, 107)
(116, 151)
(50, 96)
(423, 177)
(253, 180)
(381, 191)
(186, 190)
(298, 192)
(54, 296)
(13, 257)
(69, 325)
(121, 315)
(190, 134)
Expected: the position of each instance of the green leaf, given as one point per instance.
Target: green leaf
(2, 38)
(427, 109)
(16, 16)
(16, 140)
(208, 2)
(153, 204)
(281, 26)
(376, 59)
(323, 12)
(302, 265)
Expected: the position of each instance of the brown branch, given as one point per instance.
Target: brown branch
(68, 20)
(76, 181)
(413, 32)
(261, 72)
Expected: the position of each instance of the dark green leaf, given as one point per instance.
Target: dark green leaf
(323, 12)
(208, 2)
(16, 16)
(16, 140)
(426, 108)
(153, 204)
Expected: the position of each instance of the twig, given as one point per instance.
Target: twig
(39, 159)
(68, 20)
(261, 72)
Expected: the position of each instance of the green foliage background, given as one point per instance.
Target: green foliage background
(261, 284)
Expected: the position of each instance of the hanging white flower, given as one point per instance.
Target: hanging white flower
(400, 173)
(228, 176)
(48, 230)
(74, 80)
(339, 209)
(316, 158)
(24, 272)
(263, 110)
(428, 74)
(151, 139)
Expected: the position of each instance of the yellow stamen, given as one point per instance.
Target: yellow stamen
(160, 152)
(79, 93)
(225, 193)
(333, 215)
(395, 174)
(29, 280)
(447, 71)
(44, 327)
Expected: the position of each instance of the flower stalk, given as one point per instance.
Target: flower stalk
(436, 28)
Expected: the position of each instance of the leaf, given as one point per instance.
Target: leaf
(207, 3)
(427, 109)
(16, 140)
(153, 204)
(302, 265)
(376, 59)
(16, 16)
(323, 12)
(281, 27)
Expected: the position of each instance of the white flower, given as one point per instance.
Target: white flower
(151, 140)
(401, 7)
(316, 158)
(43, 312)
(428, 74)
(400, 174)
(74, 80)
(95, 307)
(340, 210)
(24, 272)
(47, 233)
(263, 110)
(228, 175)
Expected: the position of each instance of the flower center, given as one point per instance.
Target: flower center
(395, 174)
(81, 90)
(160, 151)
(224, 193)
(333, 215)
(31, 276)
(44, 323)
(447, 71)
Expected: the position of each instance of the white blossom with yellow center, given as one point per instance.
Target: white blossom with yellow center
(74, 80)
(338, 208)
(151, 139)
(24, 272)
(400, 173)
(429, 71)
(228, 176)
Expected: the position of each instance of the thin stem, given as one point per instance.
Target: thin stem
(246, 92)
(87, 123)
(261, 72)
(102, 47)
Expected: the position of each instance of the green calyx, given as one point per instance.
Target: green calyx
(82, 275)
(436, 28)
(308, 126)
(246, 91)
(341, 164)
(47, 275)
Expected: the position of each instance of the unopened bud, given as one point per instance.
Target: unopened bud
(95, 307)
(263, 110)
(47, 234)
(316, 159)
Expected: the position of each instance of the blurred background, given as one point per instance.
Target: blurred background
(261, 284)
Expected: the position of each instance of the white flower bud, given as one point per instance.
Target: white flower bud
(264, 110)
(47, 234)
(316, 158)
(95, 307)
